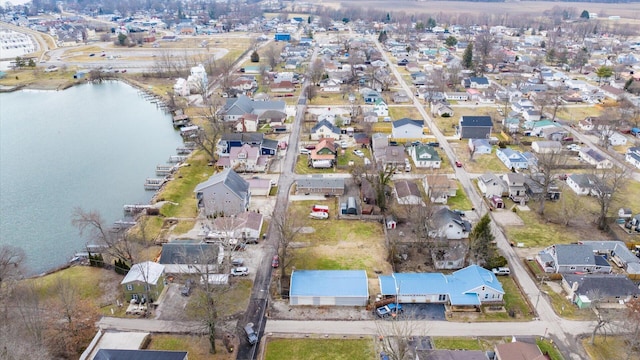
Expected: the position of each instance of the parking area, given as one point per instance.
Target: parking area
(434, 312)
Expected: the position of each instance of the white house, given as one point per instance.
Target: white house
(512, 158)
(633, 156)
(197, 79)
(408, 193)
(325, 129)
(479, 146)
(181, 88)
(380, 108)
(595, 158)
(546, 147)
(406, 128)
(425, 156)
(617, 139)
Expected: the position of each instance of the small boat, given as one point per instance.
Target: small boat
(319, 215)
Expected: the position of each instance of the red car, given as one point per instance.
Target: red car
(458, 164)
(275, 262)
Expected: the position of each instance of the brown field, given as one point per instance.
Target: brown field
(625, 11)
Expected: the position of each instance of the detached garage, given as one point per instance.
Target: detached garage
(329, 287)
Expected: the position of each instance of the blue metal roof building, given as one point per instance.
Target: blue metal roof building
(329, 287)
(471, 286)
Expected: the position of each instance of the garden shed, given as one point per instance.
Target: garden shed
(329, 287)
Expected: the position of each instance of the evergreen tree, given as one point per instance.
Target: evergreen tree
(467, 57)
(451, 41)
(481, 239)
(255, 57)
(383, 36)
(584, 15)
(431, 23)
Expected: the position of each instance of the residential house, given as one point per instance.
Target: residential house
(324, 153)
(632, 156)
(587, 124)
(246, 158)
(247, 123)
(392, 156)
(330, 85)
(246, 226)
(479, 146)
(439, 188)
(441, 109)
(518, 350)
(617, 252)
(546, 147)
(230, 140)
(401, 97)
(587, 184)
(595, 158)
(380, 108)
(406, 128)
(535, 189)
(181, 87)
(447, 224)
(512, 159)
(491, 185)
(185, 257)
(440, 354)
(617, 139)
(425, 156)
(272, 117)
(143, 278)
(468, 287)
(476, 83)
(237, 107)
(571, 258)
(282, 87)
(325, 129)
(625, 213)
(370, 117)
(531, 115)
(320, 184)
(517, 190)
(475, 127)
(408, 193)
(456, 96)
(224, 193)
(370, 97)
(605, 288)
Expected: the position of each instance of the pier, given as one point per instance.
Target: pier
(177, 158)
(134, 209)
(154, 183)
(164, 170)
(183, 150)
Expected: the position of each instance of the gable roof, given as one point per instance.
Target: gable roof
(479, 80)
(573, 254)
(320, 181)
(426, 153)
(182, 252)
(329, 283)
(120, 354)
(147, 272)
(459, 285)
(328, 124)
(406, 188)
(608, 285)
(230, 179)
(444, 216)
(473, 121)
(519, 351)
(407, 121)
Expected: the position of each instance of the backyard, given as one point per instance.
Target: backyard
(196, 346)
(334, 244)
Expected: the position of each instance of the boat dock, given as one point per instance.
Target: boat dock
(163, 170)
(177, 158)
(183, 150)
(154, 183)
(134, 209)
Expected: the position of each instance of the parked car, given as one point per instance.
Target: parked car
(275, 262)
(358, 153)
(237, 262)
(384, 356)
(304, 151)
(459, 212)
(389, 310)
(186, 289)
(573, 147)
(458, 164)
(501, 271)
(240, 271)
(252, 337)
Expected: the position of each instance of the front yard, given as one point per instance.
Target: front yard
(320, 349)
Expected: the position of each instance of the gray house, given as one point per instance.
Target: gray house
(237, 107)
(572, 258)
(602, 287)
(224, 193)
(184, 257)
(475, 127)
(447, 224)
(319, 184)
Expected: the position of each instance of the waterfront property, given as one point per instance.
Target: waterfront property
(224, 193)
(143, 278)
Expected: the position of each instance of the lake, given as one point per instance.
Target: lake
(90, 146)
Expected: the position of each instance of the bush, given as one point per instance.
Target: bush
(255, 57)
(496, 261)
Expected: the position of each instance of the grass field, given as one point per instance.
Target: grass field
(399, 112)
(337, 244)
(320, 349)
(536, 233)
(329, 99)
(565, 308)
(577, 113)
(51, 80)
(457, 343)
(460, 201)
(549, 349)
(446, 125)
(514, 299)
(611, 347)
(233, 301)
(87, 279)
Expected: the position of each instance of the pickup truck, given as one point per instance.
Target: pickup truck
(389, 310)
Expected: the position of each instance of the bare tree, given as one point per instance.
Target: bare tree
(548, 166)
(272, 55)
(604, 318)
(117, 244)
(632, 326)
(395, 335)
(30, 312)
(211, 130)
(316, 71)
(11, 263)
(609, 184)
(287, 231)
(483, 47)
(570, 206)
(380, 182)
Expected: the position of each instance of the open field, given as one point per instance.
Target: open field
(337, 244)
(577, 113)
(320, 349)
(611, 347)
(565, 308)
(399, 112)
(627, 11)
(38, 78)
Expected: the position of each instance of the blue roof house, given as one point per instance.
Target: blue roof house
(512, 158)
(471, 286)
(329, 287)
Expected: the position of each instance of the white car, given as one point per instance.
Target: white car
(573, 147)
(240, 271)
(358, 153)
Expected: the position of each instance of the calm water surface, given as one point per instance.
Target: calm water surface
(90, 146)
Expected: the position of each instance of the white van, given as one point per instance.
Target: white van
(501, 271)
(304, 151)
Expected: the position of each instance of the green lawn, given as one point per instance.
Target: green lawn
(460, 201)
(196, 346)
(549, 349)
(578, 113)
(456, 343)
(611, 347)
(447, 124)
(324, 98)
(565, 308)
(514, 299)
(399, 112)
(86, 279)
(537, 233)
(480, 163)
(320, 349)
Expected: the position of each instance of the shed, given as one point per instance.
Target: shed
(352, 208)
(282, 37)
(391, 222)
(329, 287)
